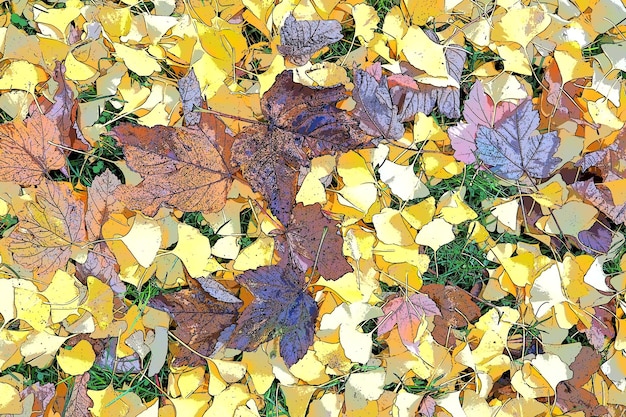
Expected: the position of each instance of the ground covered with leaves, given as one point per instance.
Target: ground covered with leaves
(312, 208)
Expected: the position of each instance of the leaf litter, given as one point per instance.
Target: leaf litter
(294, 182)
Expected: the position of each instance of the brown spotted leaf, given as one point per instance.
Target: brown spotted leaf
(312, 235)
(49, 229)
(199, 317)
(26, 157)
(302, 123)
(302, 38)
(79, 403)
(186, 168)
(570, 394)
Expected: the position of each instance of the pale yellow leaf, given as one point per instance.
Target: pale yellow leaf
(78, 360)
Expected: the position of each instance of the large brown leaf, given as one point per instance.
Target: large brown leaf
(200, 318)
(25, 154)
(49, 230)
(302, 123)
(186, 168)
(312, 235)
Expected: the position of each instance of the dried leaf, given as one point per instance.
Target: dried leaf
(200, 319)
(512, 152)
(281, 306)
(191, 97)
(375, 109)
(310, 236)
(407, 313)
(49, 230)
(101, 203)
(302, 38)
(187, 168)
(303, 123)
(26, 157)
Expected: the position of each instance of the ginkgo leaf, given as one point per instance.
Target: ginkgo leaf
(200, 319)
(407, 313)
(375, 109)
(26, 156)
(281, 306)
(187, 168)
(49, 230)
(303, 123)
(512, 152)
(302, 38)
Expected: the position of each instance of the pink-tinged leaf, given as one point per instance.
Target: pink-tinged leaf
(101, 202)
(478, 111)
(79, 403)
(427, 406)
(512, 152)
(407, 313)
(375, 70)
(602, 199)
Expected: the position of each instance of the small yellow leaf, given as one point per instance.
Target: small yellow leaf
(365, 21)
(143, 240)
(391, 228)
(10, 399)
(259, 253)
(435, 234)
(193, 248)
(521, 25)
(78, 360)
(423, 53)
(21, 75)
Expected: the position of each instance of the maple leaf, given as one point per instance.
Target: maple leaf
(200, 319)
(79, 402)
(512, 152)
(302, 38)
(375, 109)
(48, 230)
(478, 110)
(311, 235)
(101, 202)
(302, 123)
(26, 157)
(282, 306)
(187, 168)
(407, 313)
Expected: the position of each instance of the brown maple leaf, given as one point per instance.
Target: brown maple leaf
(26, 157)
(49, 230)
(302, 123)
(79, 402)
(310, 235)
(200, 319)
(187, 168)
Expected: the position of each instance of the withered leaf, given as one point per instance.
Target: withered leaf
(101, 202)
(512, 152)
(310, 234)
(63, 111)
(191, 97)
(570, 394)
(186, 168)
(200, 318)
(48, 229)
(375, 110)
(602, 330)
(602, 199)
(457, 308)
(407, 313)
(79, 403)
(282, 306)
(302, 123)
(26, 157)
(300, 39)
(101, 263)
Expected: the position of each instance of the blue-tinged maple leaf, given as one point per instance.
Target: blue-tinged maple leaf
(281, 307)
(512, 152)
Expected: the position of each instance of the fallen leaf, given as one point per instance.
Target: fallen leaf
(191, 97)
(281, 306)
(300, 39)
(512, 152)
(302, 123)
(49, 230)
(407, 314)
(199, 317)
(26, 156)
(314, 238)
(187, 168)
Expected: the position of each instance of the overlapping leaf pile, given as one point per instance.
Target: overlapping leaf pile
(273, 208)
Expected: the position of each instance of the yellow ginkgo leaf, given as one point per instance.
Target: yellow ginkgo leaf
(435, 234)
(78, 360)
(193, 248)
(143, 240)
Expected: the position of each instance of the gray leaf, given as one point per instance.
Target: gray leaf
(301, 39)
(190, 96)
(375, 110)
(512, 152)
